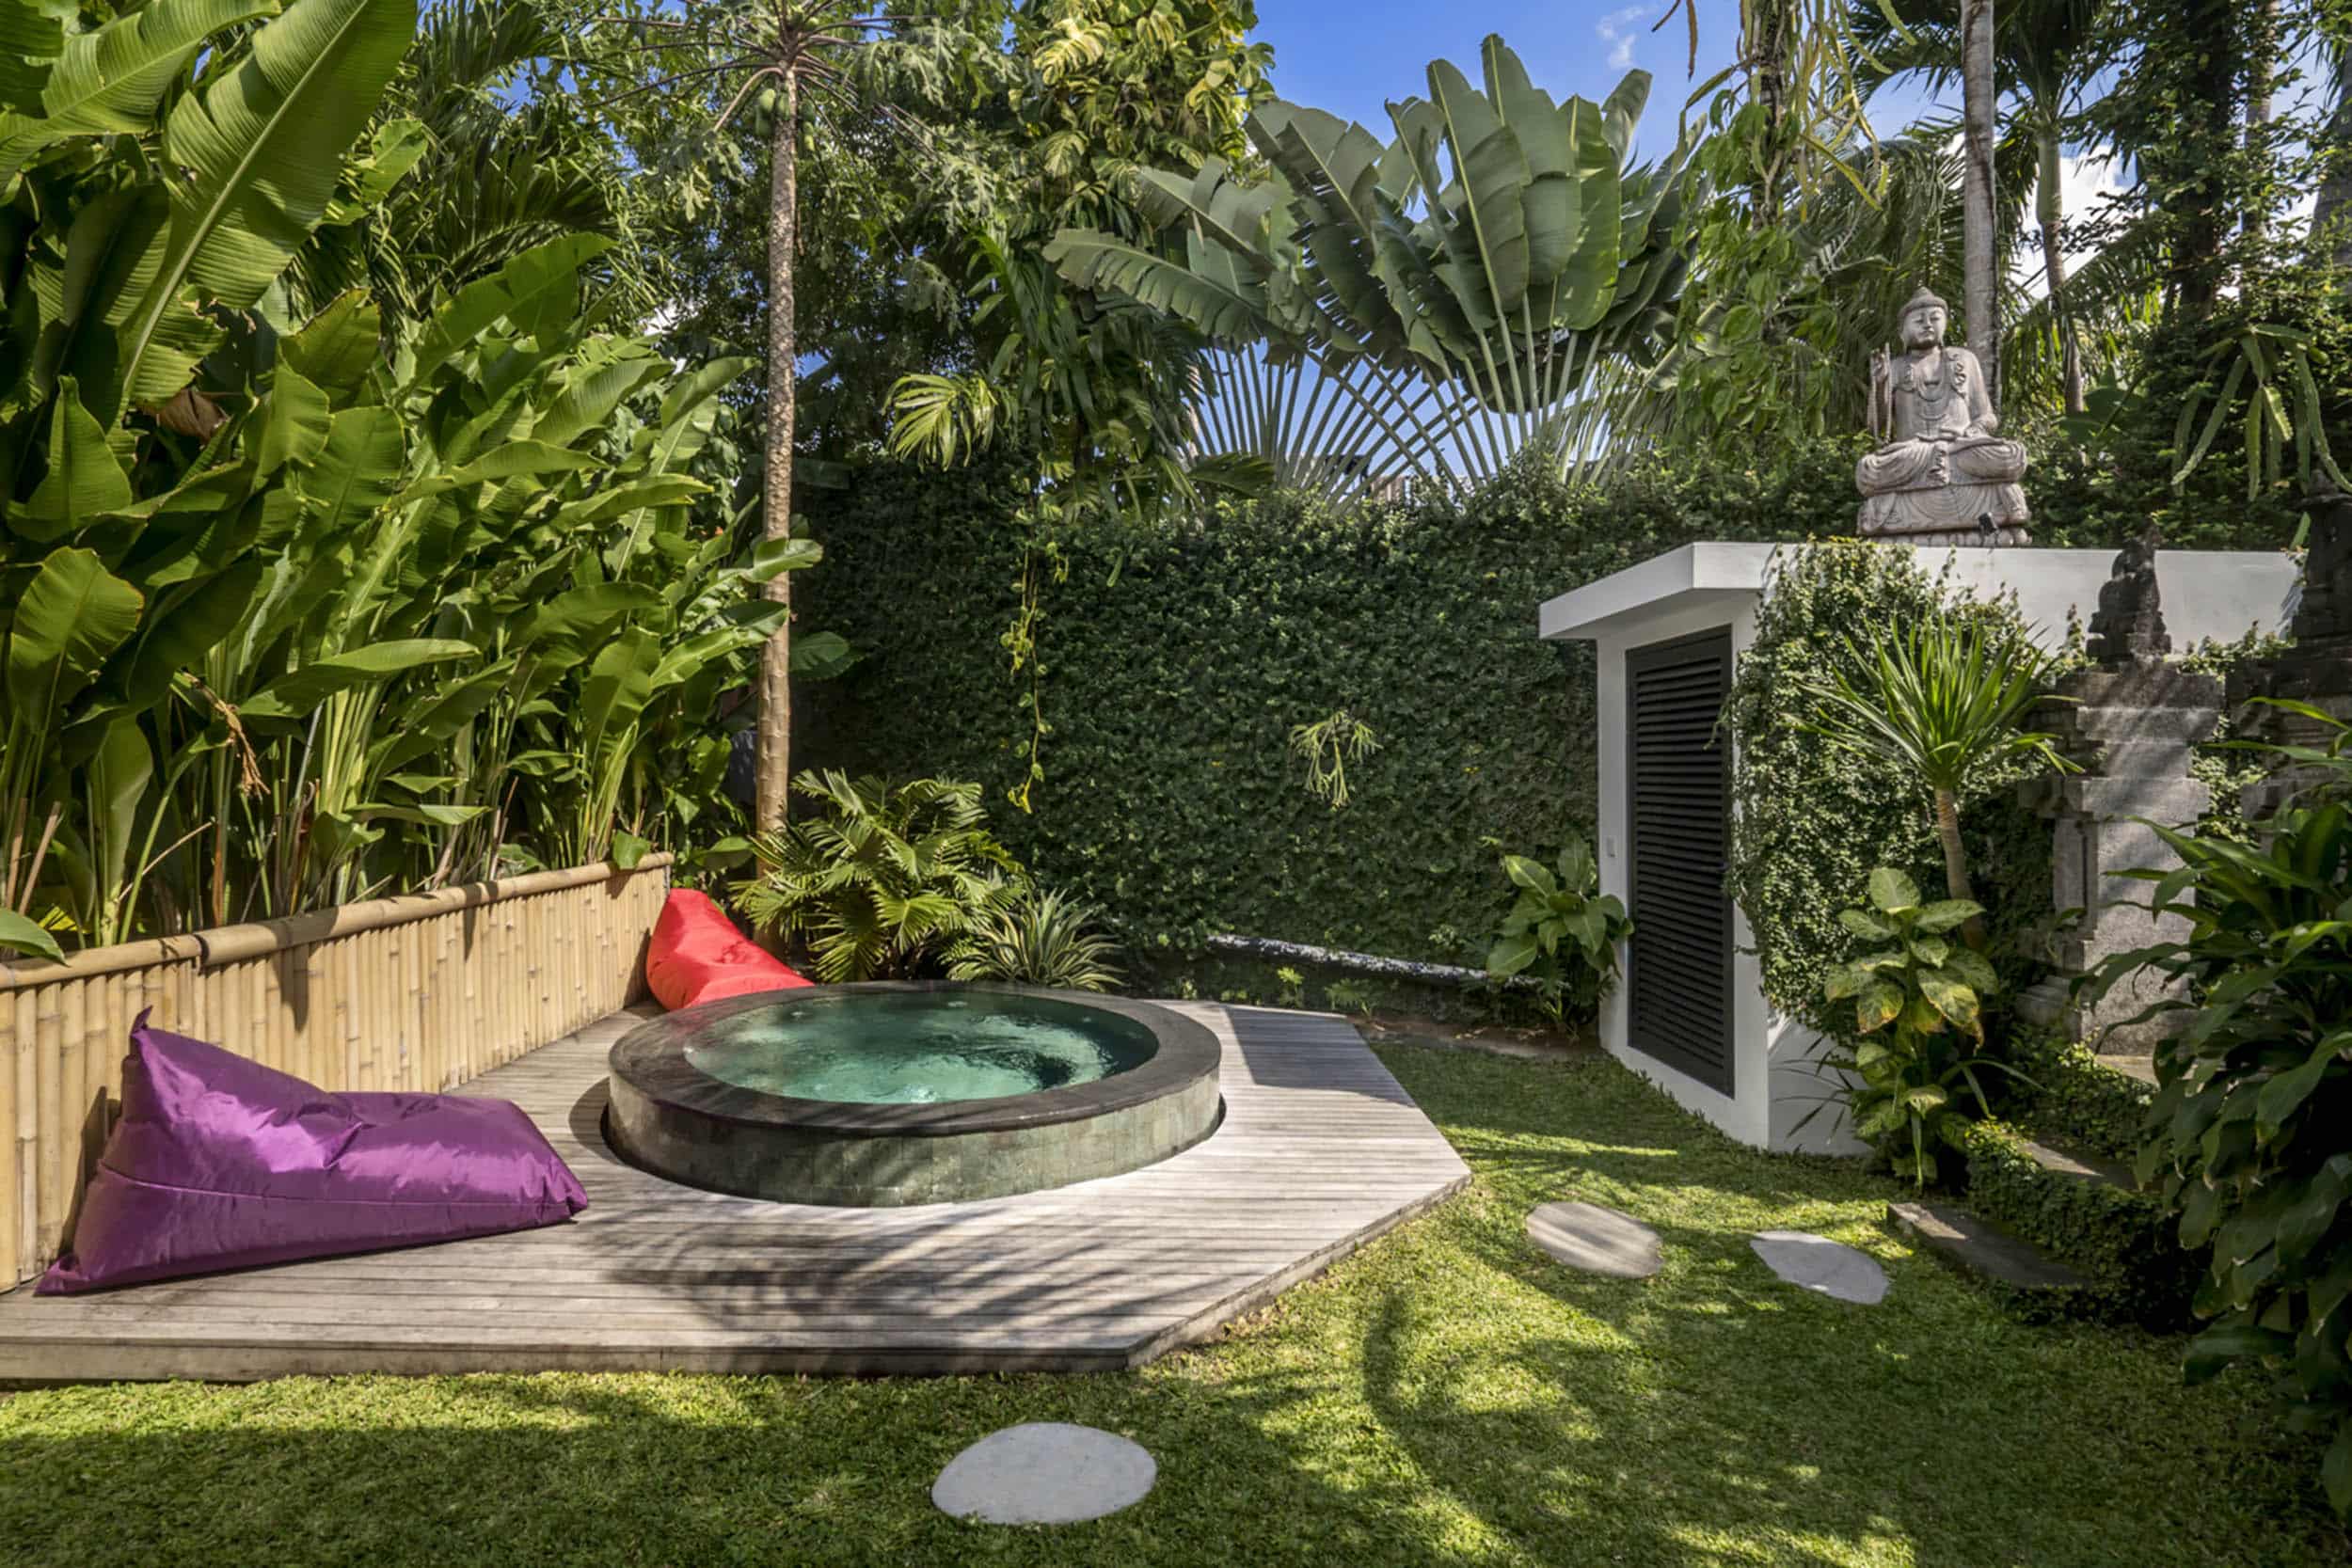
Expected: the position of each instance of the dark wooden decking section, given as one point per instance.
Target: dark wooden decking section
(1319, 1152)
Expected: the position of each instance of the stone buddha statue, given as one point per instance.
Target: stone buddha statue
(1940, 475)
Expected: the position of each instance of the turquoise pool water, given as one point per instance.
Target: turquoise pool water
(919, 1048)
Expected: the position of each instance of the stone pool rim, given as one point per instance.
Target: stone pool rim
(651, 1059)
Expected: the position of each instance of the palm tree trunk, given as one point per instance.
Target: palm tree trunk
(2050, 212)
(2262, 41)
(1956, 884)
(775, 782)
(1980, 250)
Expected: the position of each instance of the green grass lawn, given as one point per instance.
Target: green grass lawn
(1445, 1396)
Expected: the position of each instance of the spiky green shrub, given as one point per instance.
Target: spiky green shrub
(1039, 938)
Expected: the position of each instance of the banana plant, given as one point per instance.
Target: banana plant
(297, 603)
(1451, 290)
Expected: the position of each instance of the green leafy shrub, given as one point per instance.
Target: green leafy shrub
(884, 879)
(2069, 1085)
(1561, 929)
(2251, 1130)
(1811, 820)
(2121, 1238)
(1902, 1086)
(1039, 938)
(309, 593)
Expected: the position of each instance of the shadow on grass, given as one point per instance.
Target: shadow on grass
(1448, 1397)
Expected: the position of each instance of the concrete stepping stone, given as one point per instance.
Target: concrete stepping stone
(1597, 1240)
(1820, 1265)
(1044, 1473)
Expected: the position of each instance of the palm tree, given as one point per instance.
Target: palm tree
(1942, 701)
(2046, 53)
(2331, 215)
(698, 65)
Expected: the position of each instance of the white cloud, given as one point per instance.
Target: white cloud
(1616, 29)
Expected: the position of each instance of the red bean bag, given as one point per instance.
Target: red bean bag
(698, 955)
(220, 1163)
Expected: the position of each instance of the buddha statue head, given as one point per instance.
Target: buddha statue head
(1924, 319)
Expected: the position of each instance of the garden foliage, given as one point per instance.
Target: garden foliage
(1179, 656)
(1561, 930)
(301, 602)
(1041, 938)
(2249, 1132)
(1915, 1041)
(881, 878)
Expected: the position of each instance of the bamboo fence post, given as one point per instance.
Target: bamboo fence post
(26, 1221)
(11, 1043)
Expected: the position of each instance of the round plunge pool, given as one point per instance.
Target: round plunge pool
(894, 1093)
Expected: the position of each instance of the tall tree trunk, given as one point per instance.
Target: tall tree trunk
(1981, 250)
(2050, 212)
(1956, 884)
(2208, 119)
(776, 665)
(2332, 215)
(2262, 41)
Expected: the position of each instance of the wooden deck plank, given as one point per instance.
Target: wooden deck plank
(1320, 1149)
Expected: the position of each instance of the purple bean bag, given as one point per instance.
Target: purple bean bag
(220, 1163)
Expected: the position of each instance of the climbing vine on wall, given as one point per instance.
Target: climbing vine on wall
(1813, 820)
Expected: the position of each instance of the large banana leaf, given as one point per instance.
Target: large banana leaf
(108, 80)
(252, 184)
(31, 36)
(1223, 312)
(542, 281)
(296, 693)
(73, 617)
(85, 479)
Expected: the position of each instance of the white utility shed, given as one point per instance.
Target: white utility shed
(1691, 1015)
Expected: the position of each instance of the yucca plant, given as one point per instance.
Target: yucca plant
(1942, 701)
(883, 880)
(1040, 938)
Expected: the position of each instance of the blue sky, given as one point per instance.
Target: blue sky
(1349, 56)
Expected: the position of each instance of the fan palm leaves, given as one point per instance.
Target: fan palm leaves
(882, 876)
(1499, 247)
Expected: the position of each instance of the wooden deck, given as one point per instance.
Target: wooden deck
(1319, 1152)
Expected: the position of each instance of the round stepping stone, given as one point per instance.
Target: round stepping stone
(1044, 1473)
(1597, 1240)
(1819, 1264)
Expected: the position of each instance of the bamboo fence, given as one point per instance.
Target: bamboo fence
(419, 992)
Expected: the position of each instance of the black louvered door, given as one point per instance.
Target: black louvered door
(1678, 964)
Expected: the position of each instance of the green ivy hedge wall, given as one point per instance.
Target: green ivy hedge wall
(1176, 657)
